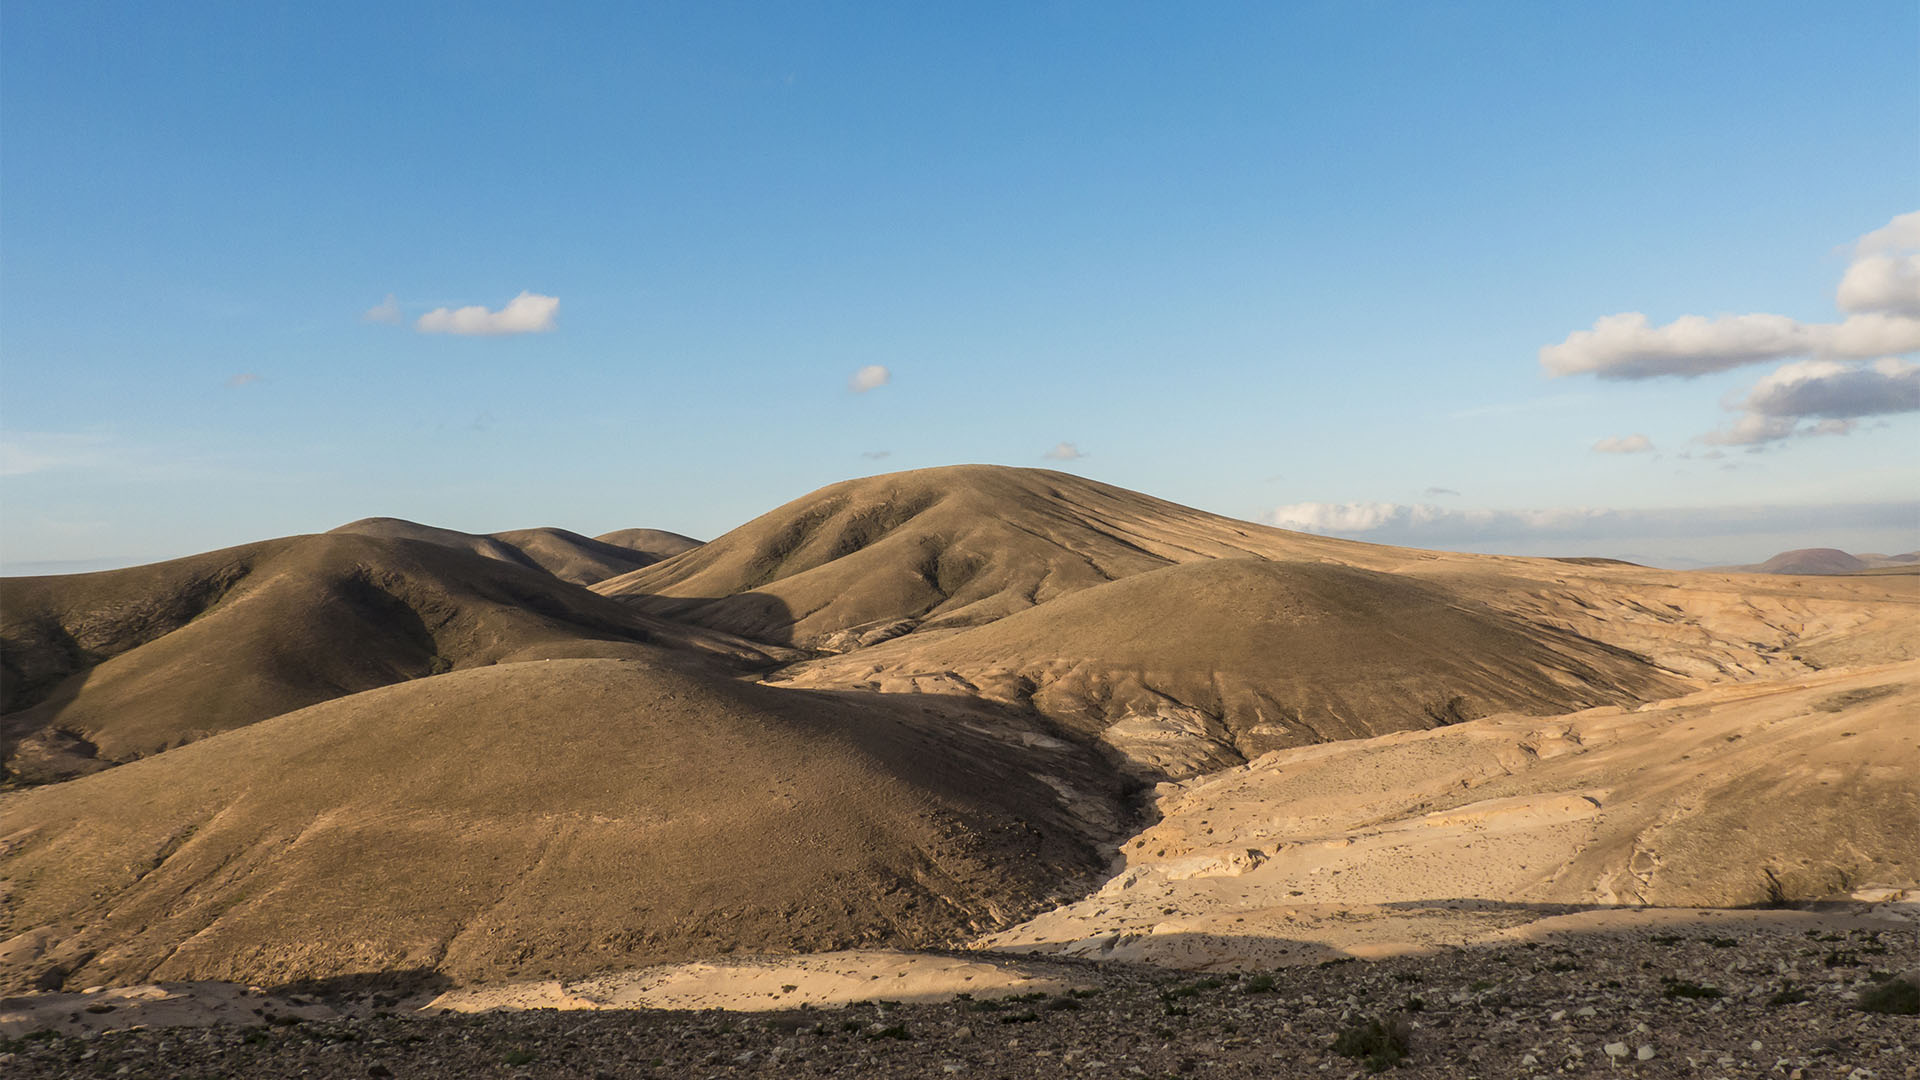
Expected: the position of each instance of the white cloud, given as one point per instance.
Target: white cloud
(1625, 444)
(245, 378)
(1900, 234)
(1884, 283)
(1064, 451)
(386, 311)
(1340, 518)
(1432, 491)
(1880, 292)
(869, 377)
(1832, 393)
(528, 313)
(876, 455)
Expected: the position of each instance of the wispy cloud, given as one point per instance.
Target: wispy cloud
(386, 311)
(1624, 444)
(23, 453)
(528, 313)
(1064, 451)
(871, 377)
(1432, 491)
(876, 455)
(245, 378)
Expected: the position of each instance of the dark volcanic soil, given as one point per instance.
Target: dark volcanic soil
(1788, 1005)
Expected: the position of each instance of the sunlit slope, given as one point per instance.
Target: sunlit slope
(1191, 667)
(867, 559)
(542, 817)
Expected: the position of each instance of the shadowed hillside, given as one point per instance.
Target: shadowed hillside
(1193, 667)
(102, 668)
(545, 818)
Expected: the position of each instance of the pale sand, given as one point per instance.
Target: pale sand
(770, 983)
(176, 1004)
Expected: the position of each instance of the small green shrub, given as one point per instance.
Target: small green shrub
(1381, 1044)
(1895, 997)
(519, 1057)
(1257, 984)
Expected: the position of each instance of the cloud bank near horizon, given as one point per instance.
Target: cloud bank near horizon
(1429, 526)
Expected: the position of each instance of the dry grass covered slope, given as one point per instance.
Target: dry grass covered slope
(1197, 666)
(542, 818)
(103, 668)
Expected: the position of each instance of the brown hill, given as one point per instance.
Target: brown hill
(1192, 667)
(102, 668)
(566, 555)
(658, 543)
(1811, 561)
(543, 818)
(868, 559)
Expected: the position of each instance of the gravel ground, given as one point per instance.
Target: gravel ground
(1770, 1003)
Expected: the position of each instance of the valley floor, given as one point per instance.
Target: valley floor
(1785, 997)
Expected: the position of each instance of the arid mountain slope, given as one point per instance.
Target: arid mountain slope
(558, 817)
(865, 561)
(566, 555)
(102, 668)
(1733, 796)
(868, 559)
(1193, 667)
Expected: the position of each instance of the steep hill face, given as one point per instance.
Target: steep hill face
(545, 818)
(103, 668)
(1197, 666)
(566, 555)
(869, 559)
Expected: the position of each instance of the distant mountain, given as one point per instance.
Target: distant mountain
(1825, 561)
(658, 543)
(566, 555)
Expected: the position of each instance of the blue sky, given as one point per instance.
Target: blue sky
(1296, 259)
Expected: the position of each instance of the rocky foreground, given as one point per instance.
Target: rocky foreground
(1774, 1001)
